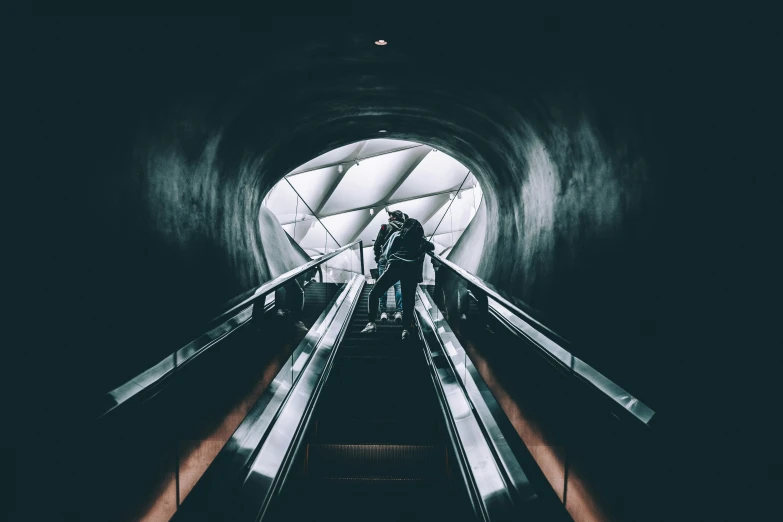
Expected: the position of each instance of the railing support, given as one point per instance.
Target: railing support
(361, 255)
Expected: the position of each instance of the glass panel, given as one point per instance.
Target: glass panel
(370, 232)
(438, 172)
(435, 221)
(313, 237)
(314, 185)
(282, 201)
(346, 227)
(369, 260)
(369, 182)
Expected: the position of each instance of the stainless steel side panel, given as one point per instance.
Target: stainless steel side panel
(269, 465)
(471, 416)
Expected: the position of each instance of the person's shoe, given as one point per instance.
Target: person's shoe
(300, 327)
(384, 317)
(370, 328)
(397, 317)
(406, 335)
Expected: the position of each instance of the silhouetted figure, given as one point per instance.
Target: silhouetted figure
(396, 219)
(289, 300)
(405, 252)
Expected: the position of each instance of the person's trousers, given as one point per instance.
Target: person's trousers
(382, 263)
(291, 297)
(464, 291)
(408, 275)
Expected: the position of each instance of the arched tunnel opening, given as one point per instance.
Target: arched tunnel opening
(143, 152)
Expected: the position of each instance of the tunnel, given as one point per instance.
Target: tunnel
(626, 176)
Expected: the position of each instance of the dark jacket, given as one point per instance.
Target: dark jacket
(383, 235)
(411, 245)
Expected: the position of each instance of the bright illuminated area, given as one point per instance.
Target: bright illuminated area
(342, 195)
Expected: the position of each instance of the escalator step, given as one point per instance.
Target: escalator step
(375, 460)
(363, 430)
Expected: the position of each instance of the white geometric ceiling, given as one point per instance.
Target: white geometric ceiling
(341, 196)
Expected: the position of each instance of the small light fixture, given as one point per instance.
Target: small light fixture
(372, 211)
(381, 42)
(340, 168)
(382, 130)
(451, 196)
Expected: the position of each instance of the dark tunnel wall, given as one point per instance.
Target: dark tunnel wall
(143, 152)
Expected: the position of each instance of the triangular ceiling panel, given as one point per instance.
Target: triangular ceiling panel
(370, 182)
(314, 185)
(350, 188)
(438, 172)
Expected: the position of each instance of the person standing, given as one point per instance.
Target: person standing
(396, 219)
(404, 250)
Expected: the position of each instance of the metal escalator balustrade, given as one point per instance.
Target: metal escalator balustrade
(587, 444)
(377, 447)
(172, 420)
(238, 311)
(374, 427)
(517, 316)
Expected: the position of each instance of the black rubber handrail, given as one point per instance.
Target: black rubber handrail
(250, 297)
(509, 302)
(575, 366)
(149, 381)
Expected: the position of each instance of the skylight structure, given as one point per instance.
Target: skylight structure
(343, 195)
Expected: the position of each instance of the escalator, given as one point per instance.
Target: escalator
(376, 447)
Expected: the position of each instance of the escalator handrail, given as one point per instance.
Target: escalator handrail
(509, 302)
(217, 329)
(250, 297)
(628, 403)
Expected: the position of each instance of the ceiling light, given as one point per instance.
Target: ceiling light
(381, 42)
(372, 211)
(382, 130)
(340, 168)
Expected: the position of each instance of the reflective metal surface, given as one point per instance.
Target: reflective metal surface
(487, 483)
(551, 345)
(636, 408)
(279, 281)
(269, 466)
(164, 368)
(489, 412)
(239, 312)
(498, 296)
(250, 463)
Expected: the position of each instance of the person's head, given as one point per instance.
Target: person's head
(397, 215)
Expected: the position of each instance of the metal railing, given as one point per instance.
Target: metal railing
(509, 302)
(557, 349)
(239, 311)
